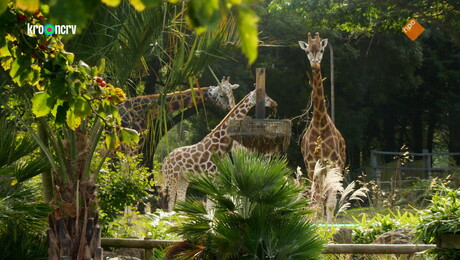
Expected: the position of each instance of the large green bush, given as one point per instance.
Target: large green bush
(257, 213)
(441, 217)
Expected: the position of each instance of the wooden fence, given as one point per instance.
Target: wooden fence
(149, 245)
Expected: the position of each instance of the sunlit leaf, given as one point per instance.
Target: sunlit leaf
(27, 5)
(247, 28)
(129, 136)
(112, 141)
(42, 104)
(112, 3)
(73, 120)
(138, 5)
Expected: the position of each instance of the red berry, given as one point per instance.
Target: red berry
(103, 84)
(99, 80)
(22, 17)
(15, 43)
(42, 46)
(109, 98)
(34, 55)
(41, 17)
(37, 12)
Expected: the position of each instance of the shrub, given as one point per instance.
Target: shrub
(257, 213)
(442, 216)
(369, 229)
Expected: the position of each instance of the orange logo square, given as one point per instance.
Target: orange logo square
(413, 29)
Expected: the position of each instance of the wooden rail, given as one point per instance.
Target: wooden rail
(149, 245)
(371, 249)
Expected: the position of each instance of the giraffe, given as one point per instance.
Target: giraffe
(321, 140)
(197, 157)
(136, 112)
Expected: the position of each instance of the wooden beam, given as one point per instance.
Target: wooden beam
(260, 93)
(376, 248)
(136, 243)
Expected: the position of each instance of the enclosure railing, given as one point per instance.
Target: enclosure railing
(420, 163)
(149, 245)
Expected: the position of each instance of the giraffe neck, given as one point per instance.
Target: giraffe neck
(135, 111)
(319, 103)
(220, 132)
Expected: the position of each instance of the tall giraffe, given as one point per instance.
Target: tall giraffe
(322, 140)
(197, 158)
(136, 112)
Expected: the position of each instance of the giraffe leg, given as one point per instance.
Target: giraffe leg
(182, 186)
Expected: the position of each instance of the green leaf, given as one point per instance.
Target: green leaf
(112, 141)
(42, 103)
(129, 136)
(81, 107)
(3, 6)
(73, 120)
(151, 3)
(73, 12)
(111, 3)
(247, 28)
(28, 5)
(203, 15)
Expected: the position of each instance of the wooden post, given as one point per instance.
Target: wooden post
(260, 93)
(148, 251)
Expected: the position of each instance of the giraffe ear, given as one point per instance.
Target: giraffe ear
(303, 45)
(324, 43)
(234, 86)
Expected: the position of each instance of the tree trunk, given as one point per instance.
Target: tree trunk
(74, 232)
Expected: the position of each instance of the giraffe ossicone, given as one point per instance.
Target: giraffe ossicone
(322, 141)
(196, 158)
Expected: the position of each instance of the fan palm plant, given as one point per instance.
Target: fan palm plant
(22, 215)
(257, 213)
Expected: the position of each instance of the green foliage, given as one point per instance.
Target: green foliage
(441, 217)
(65, 90)
(369, 229)
(256, 213)
(123, 183)
(22, 213)
(155, 225)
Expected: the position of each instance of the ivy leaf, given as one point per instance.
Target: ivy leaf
(247, 28)
(27, 5)
(129, 136)
(42, 103)
(111, 3)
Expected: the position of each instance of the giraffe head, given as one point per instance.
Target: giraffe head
(314, 49)
(268, 101)
(222, 95)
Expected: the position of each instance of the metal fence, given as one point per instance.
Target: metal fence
(385, 165)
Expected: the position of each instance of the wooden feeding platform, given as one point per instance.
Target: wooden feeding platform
(260, 134)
